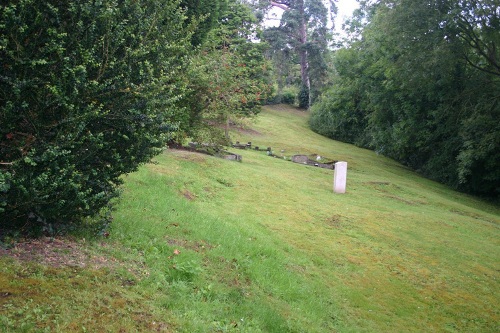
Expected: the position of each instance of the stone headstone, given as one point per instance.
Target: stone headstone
(340, 177)
(300, 159)
(233, 157)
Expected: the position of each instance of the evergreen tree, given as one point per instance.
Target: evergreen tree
(88, 92)
(303, 29)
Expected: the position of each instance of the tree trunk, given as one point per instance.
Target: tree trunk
(302, 39)
(304, 63)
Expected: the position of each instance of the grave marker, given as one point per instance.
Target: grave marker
(340, 177)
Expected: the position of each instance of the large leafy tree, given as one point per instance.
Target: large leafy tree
(229, 77)
(477, 23)
(88, 91)
(421, 85)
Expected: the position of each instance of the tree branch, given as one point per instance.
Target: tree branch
(480, 68)
(280, 5)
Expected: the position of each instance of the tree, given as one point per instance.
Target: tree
(228, 77)
(304, 26)
(420, 85)
(88, 92)
(341, 112)
(477, 24)
(204, 15)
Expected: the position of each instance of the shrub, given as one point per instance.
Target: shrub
(303, 97)
(84, 98)
(288, 95)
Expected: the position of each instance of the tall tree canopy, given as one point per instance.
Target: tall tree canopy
(303, 30)
(229, 77)
(421, 85)
(205, 15)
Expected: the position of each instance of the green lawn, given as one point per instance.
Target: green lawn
(201, 244)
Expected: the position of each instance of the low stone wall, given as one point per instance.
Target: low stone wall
(300, 159)
(242, 145)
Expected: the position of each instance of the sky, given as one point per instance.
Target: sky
(345, 9)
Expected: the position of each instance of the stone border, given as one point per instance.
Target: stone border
(304, 159)
(300, 159)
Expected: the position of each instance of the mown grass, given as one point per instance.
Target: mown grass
(202, 244)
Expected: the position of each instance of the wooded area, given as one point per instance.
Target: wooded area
(419, 81)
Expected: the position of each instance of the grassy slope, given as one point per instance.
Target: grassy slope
(210, 245)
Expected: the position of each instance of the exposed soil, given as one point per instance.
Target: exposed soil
(245, 130)
(188, 195)
(57, 253)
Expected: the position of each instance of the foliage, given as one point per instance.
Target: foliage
(286, 71)
(289, 95)
(303, 97)
(419, 86)
(302, 38)
(205, 15)
(285, 95)
(87, 93)
(346, 119)
(228, 78)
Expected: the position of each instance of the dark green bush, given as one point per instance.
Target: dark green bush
(288, 96)
(85, 96)
(303, 97)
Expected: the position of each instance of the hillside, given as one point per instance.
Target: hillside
(201, 244)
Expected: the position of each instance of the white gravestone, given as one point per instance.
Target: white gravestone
(340, 177)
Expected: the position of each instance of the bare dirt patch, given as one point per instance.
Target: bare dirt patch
(337, 221)
(188, 154)
(57, 253)
(188, 195)
(245, 130)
